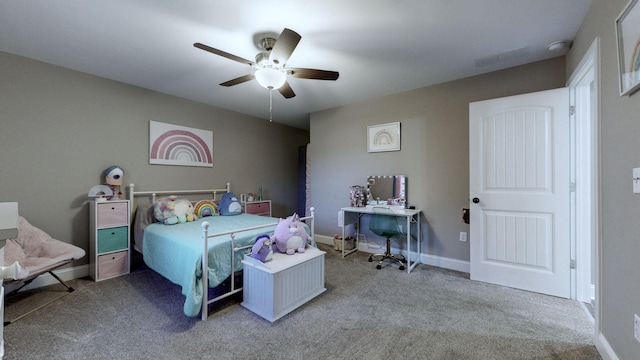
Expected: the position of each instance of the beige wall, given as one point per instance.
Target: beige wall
(618, 135)
(59, 130)
(434, 151)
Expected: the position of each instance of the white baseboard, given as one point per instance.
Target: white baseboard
(432, 260)
(322, 239)
(604, 348)
(446, 263)
(65, 274)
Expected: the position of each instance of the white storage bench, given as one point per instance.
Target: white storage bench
(277, 287)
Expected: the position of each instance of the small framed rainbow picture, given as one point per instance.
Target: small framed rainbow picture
(383, 137)
(179, 145)
(628, 32)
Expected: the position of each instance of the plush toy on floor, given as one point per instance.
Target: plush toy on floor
(290, 235)
(262, 250)
(174, 210)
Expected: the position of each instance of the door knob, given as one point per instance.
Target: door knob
(475, 200)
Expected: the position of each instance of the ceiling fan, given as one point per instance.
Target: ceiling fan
(271, 72)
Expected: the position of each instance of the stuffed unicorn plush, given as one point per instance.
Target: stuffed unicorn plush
(290, 235)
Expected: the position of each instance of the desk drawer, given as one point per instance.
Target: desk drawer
(113, 239)
(113, 214)
(113, 264)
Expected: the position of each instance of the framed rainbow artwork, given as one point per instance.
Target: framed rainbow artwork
(384, 137)
(628, 32)
(179, 145)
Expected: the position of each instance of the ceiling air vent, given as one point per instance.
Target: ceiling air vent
(502, 57)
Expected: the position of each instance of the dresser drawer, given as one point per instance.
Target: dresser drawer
(113, 214)
(113, 264)
(113, 239)
(258, 208)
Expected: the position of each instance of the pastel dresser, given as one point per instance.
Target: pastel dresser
(109, 242)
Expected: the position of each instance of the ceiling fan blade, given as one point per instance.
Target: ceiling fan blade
(238, 80)
(286, 43)
(286, 91)
(224, 54)
(314, 74)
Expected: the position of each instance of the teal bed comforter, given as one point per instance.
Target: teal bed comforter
(174, 251)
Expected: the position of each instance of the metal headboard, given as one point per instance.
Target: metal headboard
(131, 193)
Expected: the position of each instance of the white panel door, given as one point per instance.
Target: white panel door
(520, 190)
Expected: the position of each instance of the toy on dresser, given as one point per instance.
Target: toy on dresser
(113, 179)
(290, 235)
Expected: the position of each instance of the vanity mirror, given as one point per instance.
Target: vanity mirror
(387, 190)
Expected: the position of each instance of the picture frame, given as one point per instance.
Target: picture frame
(628, 36)
(383, 137)
(179, 145)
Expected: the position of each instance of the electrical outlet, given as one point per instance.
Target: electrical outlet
(463, 236)
(636, 326)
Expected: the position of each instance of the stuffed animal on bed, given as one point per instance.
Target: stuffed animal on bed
(262, 250)
(230, 205)
(173, 210)
(290, 236)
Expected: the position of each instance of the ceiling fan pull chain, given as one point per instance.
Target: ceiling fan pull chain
(270, 105)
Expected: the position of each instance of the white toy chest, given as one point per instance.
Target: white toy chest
(277, 287)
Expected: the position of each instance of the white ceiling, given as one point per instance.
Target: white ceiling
(379, 47)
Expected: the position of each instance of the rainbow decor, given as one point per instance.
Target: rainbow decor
(205, 208)
(179, 145)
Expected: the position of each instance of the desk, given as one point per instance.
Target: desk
(351, 215)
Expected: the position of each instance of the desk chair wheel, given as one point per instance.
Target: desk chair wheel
(400, 259)
(401, 267)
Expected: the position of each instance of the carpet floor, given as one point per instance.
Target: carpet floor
(365, 313)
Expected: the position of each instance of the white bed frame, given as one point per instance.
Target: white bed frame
(132, 194)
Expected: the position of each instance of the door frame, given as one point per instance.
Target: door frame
(586, 159)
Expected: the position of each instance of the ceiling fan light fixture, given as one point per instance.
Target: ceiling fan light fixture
(270, 78)
(270, 65)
